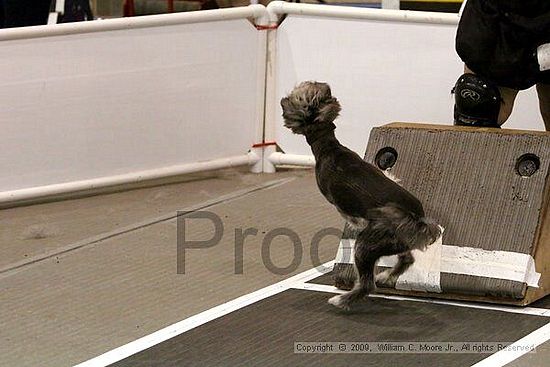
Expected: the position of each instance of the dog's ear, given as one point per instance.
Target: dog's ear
(329, 110)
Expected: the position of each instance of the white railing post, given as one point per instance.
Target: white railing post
(270, 90)
(262, 24)
(390, 4)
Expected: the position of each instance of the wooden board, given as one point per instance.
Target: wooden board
(468, 181)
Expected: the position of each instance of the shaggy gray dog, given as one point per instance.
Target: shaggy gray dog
(389, 220)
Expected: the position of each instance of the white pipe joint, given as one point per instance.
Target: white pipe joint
(278, 159)
(275, 10)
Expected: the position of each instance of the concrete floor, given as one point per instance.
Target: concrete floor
(81, 277)
(105, 273)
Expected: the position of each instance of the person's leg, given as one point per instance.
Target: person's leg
(543, 91)
(508, 96)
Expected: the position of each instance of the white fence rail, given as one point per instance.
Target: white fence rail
(95, 104)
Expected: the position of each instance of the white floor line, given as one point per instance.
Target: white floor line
(521, 310)
(181, 327)
(504, 357)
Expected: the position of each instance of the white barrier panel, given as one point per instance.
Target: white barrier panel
(127, 96)
(383, 66)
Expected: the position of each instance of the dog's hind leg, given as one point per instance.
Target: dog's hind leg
(389, 277)
(364, 284)
(370, 245)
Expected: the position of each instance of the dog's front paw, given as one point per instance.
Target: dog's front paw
(340, 302)
(386, 279)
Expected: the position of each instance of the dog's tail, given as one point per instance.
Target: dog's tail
(309, 107)
(411, 230)
(429, 231)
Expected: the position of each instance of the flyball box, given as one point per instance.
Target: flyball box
(489, 188)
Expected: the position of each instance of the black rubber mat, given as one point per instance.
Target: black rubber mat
(264, 333)
(325, 279)
(542, 303)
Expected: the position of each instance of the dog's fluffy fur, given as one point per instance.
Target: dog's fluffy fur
(389, 219)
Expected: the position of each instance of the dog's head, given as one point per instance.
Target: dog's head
(310, 106)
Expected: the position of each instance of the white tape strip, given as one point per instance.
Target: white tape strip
(459, 260)
(492, 264)
(543, 56)
(424, 275)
